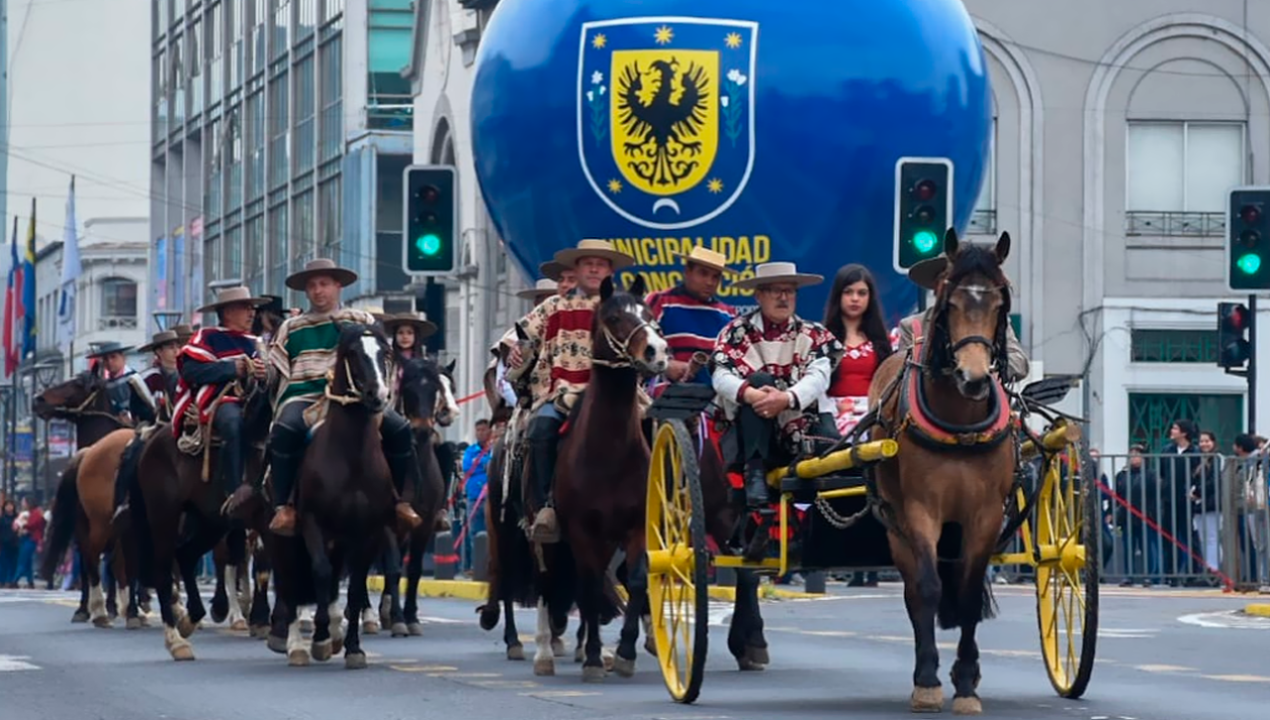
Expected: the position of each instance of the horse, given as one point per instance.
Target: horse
(426, 400)
(346, 504)
(944, 493)
(177, 517)
(85, 494)
(601, 476)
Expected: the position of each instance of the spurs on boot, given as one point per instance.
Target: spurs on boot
(283, 521)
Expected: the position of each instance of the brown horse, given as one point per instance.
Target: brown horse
(85, 494)
(346, 504)
(944, 493)
(600, 483)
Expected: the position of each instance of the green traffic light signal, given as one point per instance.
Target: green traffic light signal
(429, 244)
(925, 241)
(430, 220)
(1249, 264)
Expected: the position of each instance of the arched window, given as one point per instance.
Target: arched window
(118, 298)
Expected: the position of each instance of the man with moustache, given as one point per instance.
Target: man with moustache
(690, 314)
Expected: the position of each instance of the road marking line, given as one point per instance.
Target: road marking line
(1163, 668)
(830, 633)
(472, 675)
(552, 694)
(1228, 620)
(1239, 678)
(429, 668)
(16, 663)
(505, 683)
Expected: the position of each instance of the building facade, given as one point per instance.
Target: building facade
(281, 130)
(1118, 130)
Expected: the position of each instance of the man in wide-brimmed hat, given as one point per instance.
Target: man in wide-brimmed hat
(184, 331)
(558, 363)
(565, 276)
(770, 367)
(691, 314)
(302, 353)
(130, 399)
(928, 274)
(217, 365)
(161, 377)
(543, 289)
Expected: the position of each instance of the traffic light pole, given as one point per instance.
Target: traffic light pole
(1252, 363)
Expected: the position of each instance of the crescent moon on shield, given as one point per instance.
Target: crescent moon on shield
(666, 202)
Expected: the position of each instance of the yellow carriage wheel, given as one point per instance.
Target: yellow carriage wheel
(678, 596)
(1066, 523)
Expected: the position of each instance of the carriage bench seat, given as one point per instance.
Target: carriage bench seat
(681, 401)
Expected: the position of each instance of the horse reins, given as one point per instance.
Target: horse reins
(620, 347)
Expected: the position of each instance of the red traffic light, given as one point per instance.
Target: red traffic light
(429, 194)
(924, 190)
(1233, 316)
(1249, 214)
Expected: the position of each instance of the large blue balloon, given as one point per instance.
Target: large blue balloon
(754, 127)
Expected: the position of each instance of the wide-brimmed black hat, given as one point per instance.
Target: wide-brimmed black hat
(274, 305)
(108, 348)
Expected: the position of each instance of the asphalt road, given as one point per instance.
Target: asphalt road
(1162, 656)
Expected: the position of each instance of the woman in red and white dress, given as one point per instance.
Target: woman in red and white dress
(854, 315)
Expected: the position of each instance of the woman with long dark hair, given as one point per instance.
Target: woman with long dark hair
(854, 315)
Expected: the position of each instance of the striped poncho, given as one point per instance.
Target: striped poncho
(303, 351)
(689, 323)
(210, 345)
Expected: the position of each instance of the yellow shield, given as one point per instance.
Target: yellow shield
(665, 117)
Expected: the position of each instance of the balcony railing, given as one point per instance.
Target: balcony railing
(116, 323)
(1184, 224)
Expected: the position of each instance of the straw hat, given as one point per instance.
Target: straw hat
(552, 270)
(594, 248)
(321, 266)
(778, 272)
(158, 339)
(707, 257)
(545, 286)
(926, 273)
(422, 325)
(233, 296)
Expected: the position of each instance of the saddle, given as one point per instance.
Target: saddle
(196, 437)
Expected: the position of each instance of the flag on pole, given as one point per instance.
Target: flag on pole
(71, 270)
(28, 290)
(11, 300)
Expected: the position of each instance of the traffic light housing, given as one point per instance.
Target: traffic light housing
(1233, 348)
(923, 209)
(1248, 239)
(430, 225)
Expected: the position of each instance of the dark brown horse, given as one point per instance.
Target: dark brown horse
(427, 401)
(600, 483)
(945, 491)
(345, 509)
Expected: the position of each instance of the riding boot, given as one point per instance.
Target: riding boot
(756, 489)
(284, 466)
(402, 465)
(544, 446)
(231, 462)
(126, 463)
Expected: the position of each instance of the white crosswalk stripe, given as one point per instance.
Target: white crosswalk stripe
(16, 663)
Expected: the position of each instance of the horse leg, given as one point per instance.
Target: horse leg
(260, 620)
(579, 650)
(234, 547)
(414, 571)
(161, 547)
(358, 598)
(593, 669)
(220, 596)
(323, 574)
(974, 603)
(916, 560)
(745, 636)
(108, 581)
(637, 591)
(392, 591)
(511, 636)
(81, 612)
(544, 658)
(92, 576)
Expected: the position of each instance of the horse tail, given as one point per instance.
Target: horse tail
(959, 601)
(66, 511)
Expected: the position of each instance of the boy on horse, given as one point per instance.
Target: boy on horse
(927, 275)
(161, 377)
(302, 355)
(215, 367)
(770, 368)
(691, 315)
(130, 399)
(560, 331)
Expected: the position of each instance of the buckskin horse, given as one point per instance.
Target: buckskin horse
(944, 493)
(345, 506)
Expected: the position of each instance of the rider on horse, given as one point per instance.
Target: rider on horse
(770, 369)
(161, 377)
(302, 355)
(691, 315)
(927, 275)
(130, 399)
(215, 367)
(560, 330)
(501, 393)
(406, 332)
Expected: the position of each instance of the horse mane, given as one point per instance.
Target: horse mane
(969, 260)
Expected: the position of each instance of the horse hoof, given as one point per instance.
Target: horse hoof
(967, 706)
(321, 651)
(927, 700)
(489, 620)
(545, 667)
(607, 659)
(355, 661)
(757, 655)
(104, 621)
(80, 616)
(515, 652)
(591, 673)
(416, 629)
(370, 627)
(277, 644)
(134, 623)
(745, 664)
(298, 657)
(337, 645)
(579, 654)
(219, 612)
(145, 621)
(239, 625)
(399, 629)
(144, 606)
(185, 626)
(557, 648)
(182, 652)
(623, 666)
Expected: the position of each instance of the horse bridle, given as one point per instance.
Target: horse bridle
(941, 314)
(352, 395)
(621, 347)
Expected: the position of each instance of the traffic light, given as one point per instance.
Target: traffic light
(431, 206)
(1233, 348)
(1248, 239)
(923, 209)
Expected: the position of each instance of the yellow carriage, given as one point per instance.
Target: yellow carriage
(1051, 526)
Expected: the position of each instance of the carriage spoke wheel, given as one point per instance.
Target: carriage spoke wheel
(1067, 539)
(677, 562)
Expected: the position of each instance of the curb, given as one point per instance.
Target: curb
(1258, 609)
(474, 590)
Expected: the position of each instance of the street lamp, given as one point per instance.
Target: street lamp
(166, 318)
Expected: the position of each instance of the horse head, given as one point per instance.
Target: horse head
(81, 394)
(423, 391)
(361, 368)
(972, 306)
(624, 333)
(446, 408)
